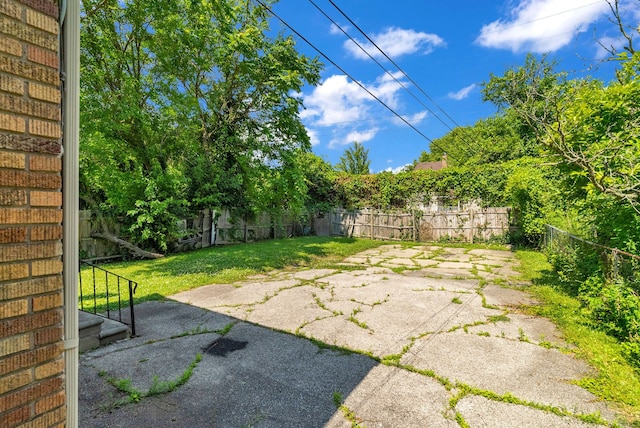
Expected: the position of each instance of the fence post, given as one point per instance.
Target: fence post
(471, 220)
(614, 260)
(371, 221)
(413, 225)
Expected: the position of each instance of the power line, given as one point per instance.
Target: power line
(393, 62)
(385, 69)
(399, 116)
(466, 143)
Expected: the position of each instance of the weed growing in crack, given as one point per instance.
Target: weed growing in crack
(522, 337)
(498, 318)
(465, 389)
(359, 323)
(456, 300)
(157, 386)
(349, 414)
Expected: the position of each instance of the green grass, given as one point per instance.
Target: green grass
(169, 275)
(615, 380)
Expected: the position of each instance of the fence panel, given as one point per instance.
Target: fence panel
(618, 263)
(465, 225)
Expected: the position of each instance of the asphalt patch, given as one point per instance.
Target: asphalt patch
(224, 346)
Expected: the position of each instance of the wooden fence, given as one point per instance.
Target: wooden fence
(467, 225)
(210, 228)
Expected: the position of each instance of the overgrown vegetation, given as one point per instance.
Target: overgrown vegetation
(617, 376)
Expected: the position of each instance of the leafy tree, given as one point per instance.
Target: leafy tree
(187, 105)
(499, 138)
(355, 160)
(593, 128)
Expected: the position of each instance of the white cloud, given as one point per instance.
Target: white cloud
(397, 169)
(541, 25)
(413, 119)
(462, 93)
(334, 29)
(339, 111)
(313, 136)
(361, 136)
(396, 42)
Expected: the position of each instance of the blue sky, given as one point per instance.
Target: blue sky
(448, 48)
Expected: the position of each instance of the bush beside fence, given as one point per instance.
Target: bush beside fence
(607, 282)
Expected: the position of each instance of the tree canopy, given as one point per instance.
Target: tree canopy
(355, 160)
(186, 105)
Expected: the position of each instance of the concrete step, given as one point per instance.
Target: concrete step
(113, 331)
(96, 331)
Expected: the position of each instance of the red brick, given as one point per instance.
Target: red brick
(48, 419)
(11, 28)
(20, 105)
(30, 287)
(29, 359)
(41, 303)
(14, 271)
(15, 417)
(31, 393)
(46, 233)
(38, 180)
(45, 6)
(11, 235)
(42, 56)
(29, 71)
(45, 163)
(16, 380)
(11, 160)
(45, 199)
(49, 403)
(30, 322)
(47, 336)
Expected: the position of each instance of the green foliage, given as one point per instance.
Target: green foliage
(355, 160)
(188, 105)
(617, 379)
(497, 139)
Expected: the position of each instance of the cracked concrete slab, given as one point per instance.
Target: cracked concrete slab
(429, 322)
(480, 412)
(523, 369)
(392, 397)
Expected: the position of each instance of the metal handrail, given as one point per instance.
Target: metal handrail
(109, 294)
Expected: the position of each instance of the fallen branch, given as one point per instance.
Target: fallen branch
(129, 246)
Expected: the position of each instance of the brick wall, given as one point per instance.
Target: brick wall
(31, 287)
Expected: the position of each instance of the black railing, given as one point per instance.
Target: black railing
(106, 299)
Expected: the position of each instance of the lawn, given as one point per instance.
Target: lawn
(169, 275)
(615, 379)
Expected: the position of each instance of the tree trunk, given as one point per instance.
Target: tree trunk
(129, 246)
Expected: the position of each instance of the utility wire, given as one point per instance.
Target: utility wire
(399, 116)
(388, 72)
(394, 63)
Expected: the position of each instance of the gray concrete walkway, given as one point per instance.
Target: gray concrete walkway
(439, 342)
